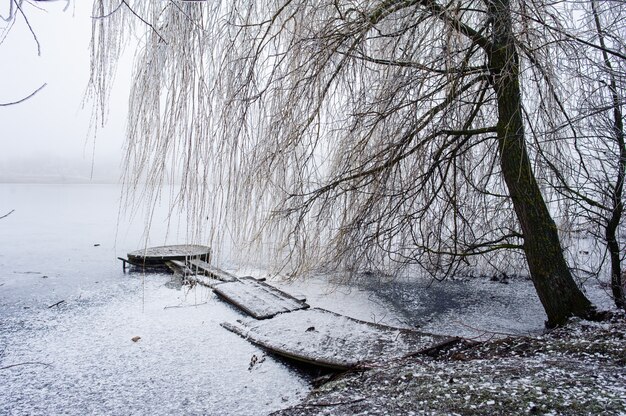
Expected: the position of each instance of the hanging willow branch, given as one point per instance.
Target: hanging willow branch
(336, 134)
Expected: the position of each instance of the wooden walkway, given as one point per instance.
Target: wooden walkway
(285, 325)
(254, 297)
(258, 299)
(323, 338)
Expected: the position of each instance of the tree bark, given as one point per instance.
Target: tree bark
(557, 290)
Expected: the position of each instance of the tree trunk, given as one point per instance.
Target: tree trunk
(557, 290)
(612, 225)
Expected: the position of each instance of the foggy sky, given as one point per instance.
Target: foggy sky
(46, 137)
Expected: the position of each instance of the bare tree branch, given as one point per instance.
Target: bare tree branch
(7, 214)
(18, 4)
(32, 94)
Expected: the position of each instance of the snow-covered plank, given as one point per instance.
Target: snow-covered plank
(258, 299)
(324, 338)
(203, 280)
(178, 267)
(203, 267)
(188, 274)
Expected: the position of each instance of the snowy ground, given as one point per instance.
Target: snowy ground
(577, 370)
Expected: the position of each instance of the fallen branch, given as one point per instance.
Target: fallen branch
(56, 304)
(184, 306)
(26, 363)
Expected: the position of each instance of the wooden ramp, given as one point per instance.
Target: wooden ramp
(258, 299)
(284, 324)
(324, 338)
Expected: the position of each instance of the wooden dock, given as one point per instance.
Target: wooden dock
(156, 257)
(323, 338)
(286, 325)
(258, 299)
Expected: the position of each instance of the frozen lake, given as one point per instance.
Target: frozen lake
(61, 244)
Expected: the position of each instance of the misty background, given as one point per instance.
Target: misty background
(47, 138)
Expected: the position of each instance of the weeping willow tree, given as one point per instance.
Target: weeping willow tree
(354, 135)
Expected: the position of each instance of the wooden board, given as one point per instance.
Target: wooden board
(258, 299)
(323, 338)
(159, 255)
(178, 267)
(201, 266)
(188, 275)
(203, 280)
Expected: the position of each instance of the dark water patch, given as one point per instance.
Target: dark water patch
(421, 300)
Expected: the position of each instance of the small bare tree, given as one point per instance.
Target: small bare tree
(593, 183)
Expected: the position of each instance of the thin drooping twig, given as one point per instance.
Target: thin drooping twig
(7, 214)
(138, 16)
(25, 98)
(104, 16)
(32, 31)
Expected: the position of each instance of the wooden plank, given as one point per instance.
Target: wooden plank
(326, 339)
(181, 269)
(178, 267)
(203, 280)
(205, 268)
(258, 299)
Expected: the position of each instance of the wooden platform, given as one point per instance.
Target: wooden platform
(324, 338)
(159, 255)
(258, 299)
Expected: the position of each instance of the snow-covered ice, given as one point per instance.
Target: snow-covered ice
(78, 357)
(60, 244)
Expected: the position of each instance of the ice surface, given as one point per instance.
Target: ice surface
(184, 363)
